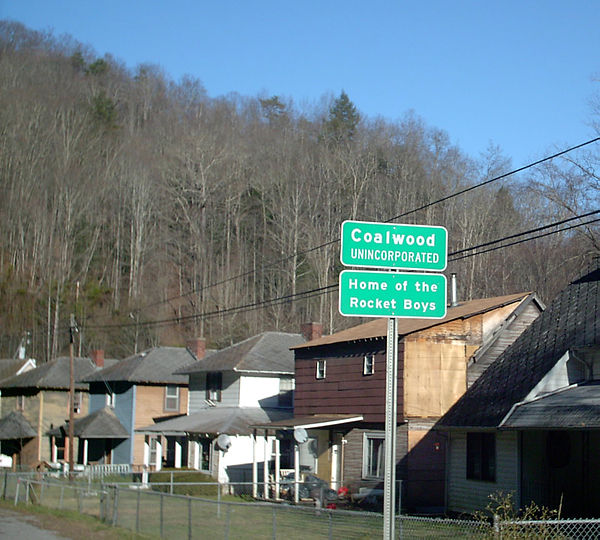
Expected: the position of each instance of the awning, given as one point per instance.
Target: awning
(216, 420)
(311, 421)
(101, 424)
(576, 407)
(15, 426)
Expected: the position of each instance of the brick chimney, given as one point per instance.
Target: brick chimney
(98, 357)
(197, 346)
(311, 330)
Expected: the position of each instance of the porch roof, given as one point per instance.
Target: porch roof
(100, 424)
(577, 407)
(15, 426)
(217, 420)
(311, 421)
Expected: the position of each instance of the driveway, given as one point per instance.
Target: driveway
(16, 525)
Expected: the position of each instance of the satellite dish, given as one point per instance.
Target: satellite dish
(223, 442)
(300, 435)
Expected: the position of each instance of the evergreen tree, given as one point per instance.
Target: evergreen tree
(342, 120)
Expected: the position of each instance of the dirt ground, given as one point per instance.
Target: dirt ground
(66, 526)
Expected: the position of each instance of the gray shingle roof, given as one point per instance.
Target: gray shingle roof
(10, 366)
(574, 408)
(101, 424)
(154, 366)
(216, 420)
(54, 375)
(572, 320)
(15, 426)
(266, 352)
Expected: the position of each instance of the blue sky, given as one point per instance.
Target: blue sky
(514, 73)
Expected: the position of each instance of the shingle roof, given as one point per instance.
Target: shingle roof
(572, 320)
(268, 352)
(573, 408)
(216, 420)
(54, 375)
(377, 328)
(10, 366)
(101, 424)
(154, 366)
(15, 426)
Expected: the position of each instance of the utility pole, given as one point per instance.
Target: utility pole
(72, 330)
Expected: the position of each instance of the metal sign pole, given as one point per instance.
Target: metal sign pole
(391, 409)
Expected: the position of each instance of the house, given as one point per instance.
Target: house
(247, 383)
(339, 398)
(530, 424)
(137, 391)
(40, 396)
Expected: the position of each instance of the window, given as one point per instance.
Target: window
(77, 399)
(286, 392)
(153, 453)
(20, 403)
(481, 456)
(111, 399)
(369, 364)
(321, 369)
(171, 397)
(373, 455)
(214, 385)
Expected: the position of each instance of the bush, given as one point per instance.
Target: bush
(182, 481)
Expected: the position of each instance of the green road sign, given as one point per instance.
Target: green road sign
(390, 245)
(365, 293)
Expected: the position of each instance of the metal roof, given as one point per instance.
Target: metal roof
(268, 352)
(15, 426)
(101, 424)
(377, 328)
(54, 375)
(573, 408)
(154, 366)
(217, 420)
(571, 321)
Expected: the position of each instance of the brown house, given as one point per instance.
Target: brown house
(41, 397)
(340, 393)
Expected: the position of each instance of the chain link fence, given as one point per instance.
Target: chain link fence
(160, 514)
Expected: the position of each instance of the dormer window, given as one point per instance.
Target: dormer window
(321, 369)
(369, 364)
(214, 385)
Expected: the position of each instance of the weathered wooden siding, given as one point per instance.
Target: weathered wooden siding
(344, 390)
(468, 496)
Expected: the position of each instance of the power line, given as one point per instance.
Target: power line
(332, 287)
(405, 214)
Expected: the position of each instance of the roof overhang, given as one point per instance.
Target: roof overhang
(311, 421)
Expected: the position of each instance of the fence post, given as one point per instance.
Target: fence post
(41, 493)
(115, 515)
(5, 484)
(161, 514)
(62, 495)
(227, 522)
(274, 524)
(27, 491)
(171, 484)
(17, 491)
(218, 499)
(137, 512)
(189, 518)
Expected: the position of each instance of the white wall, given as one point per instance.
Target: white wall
(240, 455)
(254, 389)
(468, 496)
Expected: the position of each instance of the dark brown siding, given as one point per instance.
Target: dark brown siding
(345, 390)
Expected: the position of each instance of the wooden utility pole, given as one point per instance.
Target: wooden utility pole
(72, 330)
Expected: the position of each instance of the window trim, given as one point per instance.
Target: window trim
(110, 399)
(321, 369)
(481, 456)
(366, 465)
(368, 367)
(176, 398)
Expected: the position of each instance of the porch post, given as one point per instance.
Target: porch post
(196, 451)
(266, 464)
(177, 453)
(85, 451)
(158, 464)
(146, 450)
(277, 466)
(254, 466)
(296, 471)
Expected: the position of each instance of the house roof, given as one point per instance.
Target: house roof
(217, 420)
(11, 366)
(312, 421)
(54, 375)
(268, 352)
(154, 366)
(573, 408)
(571, 321)
(101, 424)
(377, 328)
(15, 426)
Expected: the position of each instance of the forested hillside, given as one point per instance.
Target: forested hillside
(127, 198)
